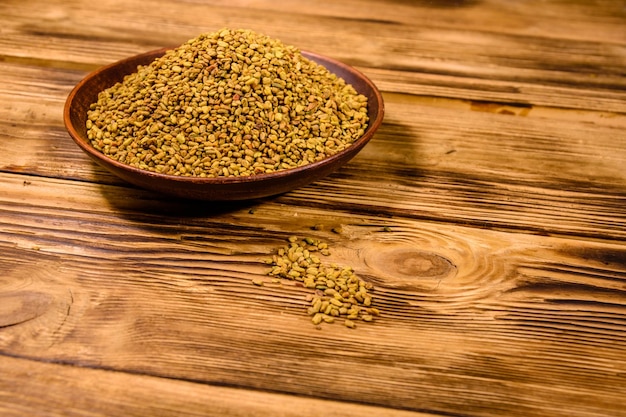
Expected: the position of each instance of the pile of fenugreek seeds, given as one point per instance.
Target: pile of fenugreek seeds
(337, 292)
(229, 103)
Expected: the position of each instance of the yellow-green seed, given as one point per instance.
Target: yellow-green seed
(340, 293)
(336, 302)
(328, 309)
(317, 318)
(230, 92)
(373, 311)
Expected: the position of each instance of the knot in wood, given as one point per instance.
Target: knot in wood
(21, 306)
(419, 264)
(411, 269)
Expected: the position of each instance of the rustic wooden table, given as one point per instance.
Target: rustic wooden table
(489, 213)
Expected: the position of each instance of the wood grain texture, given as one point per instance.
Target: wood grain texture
(428, 153)
(505, 47)
(47, 388)
(488, 314)
(489, 212)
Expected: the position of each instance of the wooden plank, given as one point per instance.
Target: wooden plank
(473, 321)
(60, 390)
(478, 183)
(429, 153)
(526, 96)
(451, 165)
(488, 212)
(463, 55)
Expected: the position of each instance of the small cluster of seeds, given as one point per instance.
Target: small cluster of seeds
(338, 292)
(229, 103)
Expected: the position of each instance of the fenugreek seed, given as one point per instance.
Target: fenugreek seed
(339, 292)
(327, 114)
(373, 311)
(317, 318)
(336, 302)
(333, 274)
(258, 281)
(317, 305)
(349, 323)
(330, 291)
(328, 319)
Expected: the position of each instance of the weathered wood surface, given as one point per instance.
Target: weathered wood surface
(489, 212)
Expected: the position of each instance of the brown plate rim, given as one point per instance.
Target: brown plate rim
(354, 148)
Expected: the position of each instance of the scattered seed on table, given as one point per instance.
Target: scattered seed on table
(338, 293)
